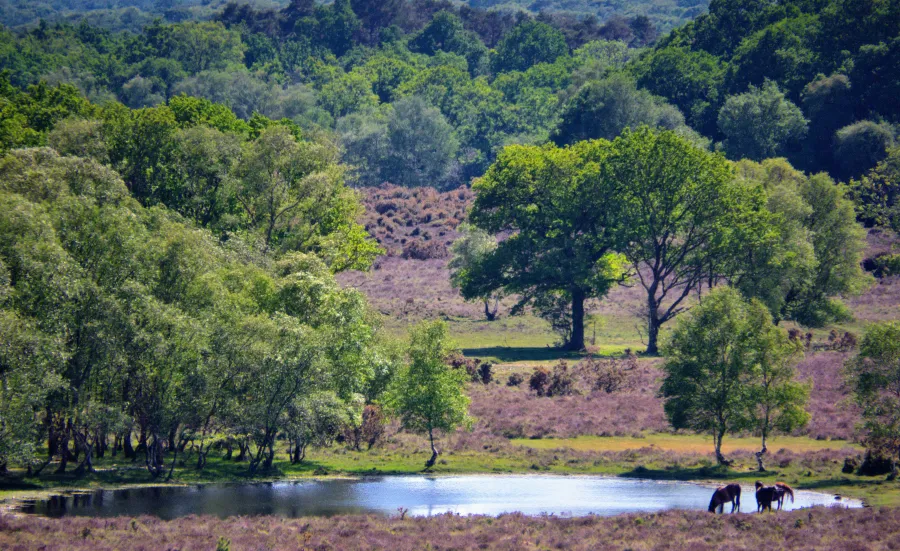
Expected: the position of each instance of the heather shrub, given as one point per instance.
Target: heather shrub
(385, 207)
(609, 375)
(539, 381)
(559, 382)
(486, 372)
(562, 383)
(424, 250)
(515, 380)
(876, 464)
(477, 370)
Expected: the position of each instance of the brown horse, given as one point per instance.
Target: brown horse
(780, 490)
(765, 495)
(723, 495)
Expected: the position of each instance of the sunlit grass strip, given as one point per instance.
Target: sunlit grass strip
(683, 443)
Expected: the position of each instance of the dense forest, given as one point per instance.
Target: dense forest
(177, 200)
(134, 14)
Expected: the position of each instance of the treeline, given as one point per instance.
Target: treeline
(166, 276)
(333, 70)
(814, 81)
(810, 81)
(115, 15)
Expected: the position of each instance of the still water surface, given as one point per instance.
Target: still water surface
(419, 495)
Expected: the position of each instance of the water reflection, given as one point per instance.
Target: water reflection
(419, 495)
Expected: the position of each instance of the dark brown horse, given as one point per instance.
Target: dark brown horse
(782, 489)
(723, 495)
(765, 495)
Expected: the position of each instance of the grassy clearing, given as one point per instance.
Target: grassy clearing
(683, 443)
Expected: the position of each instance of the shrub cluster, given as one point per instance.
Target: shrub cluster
(478, 371)
(558, 382)
(609, 375)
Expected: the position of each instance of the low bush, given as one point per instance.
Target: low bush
(884, 265)
(609, 375)
(478, 371)
(515, 380)
(424, 250)
(559, 382)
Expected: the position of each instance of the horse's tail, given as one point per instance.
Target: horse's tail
(786, 488)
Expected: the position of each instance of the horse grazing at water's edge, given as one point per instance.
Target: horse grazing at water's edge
(723, 495)
(780, 490)
(765, 495)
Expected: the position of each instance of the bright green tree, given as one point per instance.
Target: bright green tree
(555, 206)
(875, 378)
(710, 365)
(467, 252)
(680, 212)
(428, 395)
(777, 401)
(813, 247)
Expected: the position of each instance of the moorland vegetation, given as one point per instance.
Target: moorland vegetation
(180, 202)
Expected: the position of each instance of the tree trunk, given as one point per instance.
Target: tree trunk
(127, 447)
(434, 454)
(62, 448)
(652, 326)
(720, 459)
(490, 314)
(172, 467)
(299, 452)
(761, 453)
(577, 340)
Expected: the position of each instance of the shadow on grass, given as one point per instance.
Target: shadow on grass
(121, 474)
(521, 353)
(695, 473)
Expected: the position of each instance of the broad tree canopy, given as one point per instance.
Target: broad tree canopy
(560, 221)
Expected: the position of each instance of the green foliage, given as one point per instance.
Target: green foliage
(604, 108)
(760, 123)
(422, 147)
(680, 215)
(813, 250)
(776, 401)
(692, 80)
(445, 33)
(860, 146)
(728, 369)
(471, 248)
(877, 193)
(554, 204)
(528, 44)
(428, 394)
(118, 317)
(874, 376)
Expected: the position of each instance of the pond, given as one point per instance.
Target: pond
(418, 495)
